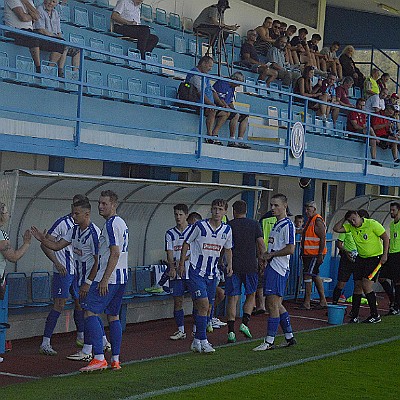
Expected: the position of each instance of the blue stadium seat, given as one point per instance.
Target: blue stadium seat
(286, 89)
(161, 17)
(152, 68)
(49, 68)
(180, 44)
(115, 85)
(71, 74)
(118, 50)
(191, 47)
(168, 62)
(146, 13)
(153, 88)
(76, 39)
(99, 22)
(17, 289)
(274, 95)
(40, 288)
(80, 17)
(97, 44)
(4, 62)
(262, 90)
(103, 4)
(134, 54)
(170, 94)
(237, 40)
(135, 87)
(187, 24)
(24, 64)
(65, 12)
(249, 81)
(175, 21)
(284, 116)
(93, 79)
(357, 92)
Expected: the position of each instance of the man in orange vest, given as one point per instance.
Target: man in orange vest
(313, 247)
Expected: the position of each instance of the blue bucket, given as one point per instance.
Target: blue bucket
(336, 314)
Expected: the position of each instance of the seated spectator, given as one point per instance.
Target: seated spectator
(300, 50)
(349, 66)
(382, 129)
(319, 60)
(342, 92)
(371, 86)
(211, 20)
(305, 88)
(249, 59)
(392, 99)
(290, 31)
(226, 93)
(264, 41)
(357, 122)
(276, 56)
(21, 14)
(332, 60)
(275, 30)
(49, 24)
(329, 87)
(383, 81)
(376, 103)
(126, 21)
(283, 28)
(210, 97)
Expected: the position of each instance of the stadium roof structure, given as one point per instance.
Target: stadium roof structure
(385, 7)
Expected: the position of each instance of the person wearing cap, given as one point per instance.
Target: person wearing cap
(313, 250)
(392, 99)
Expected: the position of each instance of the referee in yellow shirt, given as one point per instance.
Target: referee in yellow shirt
(372, 244)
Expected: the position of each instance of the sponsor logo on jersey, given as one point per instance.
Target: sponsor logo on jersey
(211, 246)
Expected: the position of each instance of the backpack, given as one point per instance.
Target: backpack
(186, 91)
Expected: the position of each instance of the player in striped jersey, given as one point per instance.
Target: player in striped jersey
(281, 245)
(174, 238)
(206, 239)
(106, 290)
(63, 282)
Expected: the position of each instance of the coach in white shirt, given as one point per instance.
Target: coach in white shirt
(126, 20)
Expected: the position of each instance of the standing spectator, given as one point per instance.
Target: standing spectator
(21, 14)
(298, 224)
(206, 240)
(371, 86)
(226, 93)
(106, 290)
(264, 41)
(332, 62)
(49, 24)
(313, 245)
(281, 246)
(383, 81)
(376, 103)
(372, 244)
(357, 122)
(249, 59)
(349, 66)
(126, 21)
(248, 245)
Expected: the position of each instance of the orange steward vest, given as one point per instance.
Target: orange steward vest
(310, 239)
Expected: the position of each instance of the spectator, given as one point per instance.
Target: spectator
(21, 14)
(249, 59)
(371, 86)
(283, 28)
(304, 87)
(382, 129)
(349, 66)
(226, 93)
(357, 122)
(332, 62)
(329, 87)
(376, 103)
(126, 21)
(275, 30)
(342, 92)
(383, 81)
(49, 24)
(210, 97)
(319, 59)
(276, 56)
(264, 41)
(392, 99)
(300, 50)
(211, 20)
(290, 31)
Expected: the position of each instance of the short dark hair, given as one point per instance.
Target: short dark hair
(109, 193)
(195, 216)
(83, 204)
(363, 213)
(239, 207)
(303, 30)
(335, 43)
(79, 197)
(390, 107)
(280, 196)
(395, 204)
(220, 203)
(181, 207)
(316, 36)
(359, 100)
(266, 18)
(276, 21)
(205, 59)
(299, 216)
(283, 24)
(292, 28)
(385, 75)
(350, 213)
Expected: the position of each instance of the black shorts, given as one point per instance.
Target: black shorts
(391, 269)
(310, 266)
(346, 268)
(30, 42)
(364, 266)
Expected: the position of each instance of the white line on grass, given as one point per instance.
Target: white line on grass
(207, 382)
(19, 376)
(310, 318)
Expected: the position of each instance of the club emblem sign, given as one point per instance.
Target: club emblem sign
(297, 140)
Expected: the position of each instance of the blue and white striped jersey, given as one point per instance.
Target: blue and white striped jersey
(173, 241)
(85, 246)
(206, 245)
(64, 256)
(114, 233)
(282, 234)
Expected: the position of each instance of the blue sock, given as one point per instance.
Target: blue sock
(87, 339)
(179, 317)
(102, 326)
(285, 323)
(272, 326)
(94, 331)
(201, 325)
(79, 320)
(51, 322)
(115, 336)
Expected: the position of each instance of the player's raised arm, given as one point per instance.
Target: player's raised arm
(47, 241)
(338, 227)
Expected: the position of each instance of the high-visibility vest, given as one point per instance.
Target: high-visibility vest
(310, 239)
(267, 225)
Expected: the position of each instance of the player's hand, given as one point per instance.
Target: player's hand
(268, 256)
(181, 270)
(61, 269)
(83, 291)
(383, 259)
(38, 234)
(172, 273)
(320, 259)
(103, 287)
(27, 236)
(229, 270)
